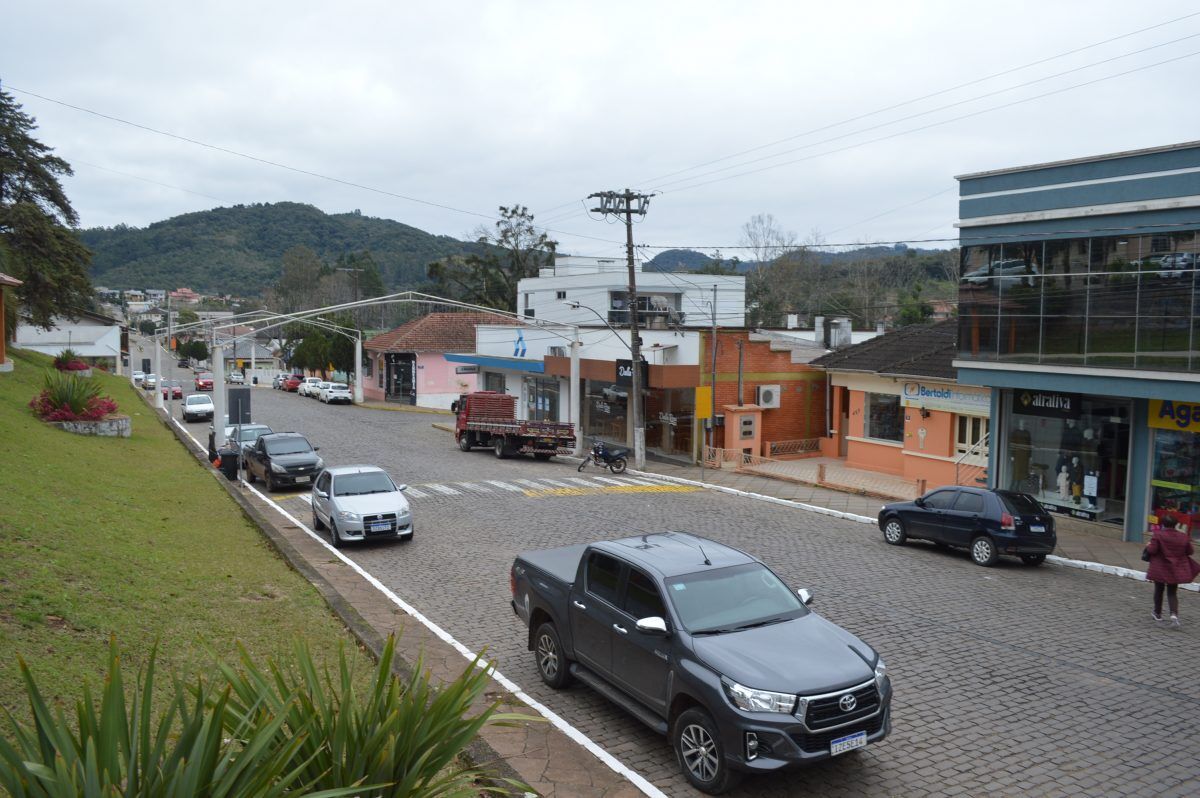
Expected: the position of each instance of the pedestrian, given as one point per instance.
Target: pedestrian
(1170, 566)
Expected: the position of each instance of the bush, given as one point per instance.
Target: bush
(249, 732)
(68, 360)
(67, 397)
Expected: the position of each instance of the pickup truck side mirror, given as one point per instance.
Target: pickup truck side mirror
(805, 596)
(402, 488)
(653, 625)
(316, 448)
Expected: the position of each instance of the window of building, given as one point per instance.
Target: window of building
(560, 294)
(969, 432)
(493, 382)
(541, 399)
(884, 418)
(367, 366)
(1175, 479)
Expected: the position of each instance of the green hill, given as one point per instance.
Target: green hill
(237, 250)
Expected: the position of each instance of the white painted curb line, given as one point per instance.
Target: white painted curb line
(1111, 570)
(555, 720)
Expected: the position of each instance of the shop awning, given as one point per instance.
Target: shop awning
(499, 363)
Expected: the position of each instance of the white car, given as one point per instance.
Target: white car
(315, 391)
(235, 378)
(307, 385)
(198, 406)
(138, 376)
(360, 502)
(336, 392)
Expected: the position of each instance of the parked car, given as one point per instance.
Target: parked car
(1002, 274)
(137, 377)
(235, 378)
(315, 391)
(283, 458)
(306, 387)
(246, 435)
(360, 502)
(335, 393)
(150, 382)
(292, 383)
(987, 523)
(172, 389)
(183, 363)
(278, 380)
(204, 381)
(1176, 264)
(705, 644)
(198, 406)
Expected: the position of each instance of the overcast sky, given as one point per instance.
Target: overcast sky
(479, 104)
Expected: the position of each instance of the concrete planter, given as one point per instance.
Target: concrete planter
(111, 427)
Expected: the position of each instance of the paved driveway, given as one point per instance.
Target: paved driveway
(1009, 680)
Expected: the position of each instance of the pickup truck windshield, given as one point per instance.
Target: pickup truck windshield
(360, 484)
(731, 599)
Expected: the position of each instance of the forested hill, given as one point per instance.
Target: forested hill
(237, 250)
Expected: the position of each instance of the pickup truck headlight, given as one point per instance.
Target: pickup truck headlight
(278, 469)
(346, 515)
(880, 672)
(752, 700)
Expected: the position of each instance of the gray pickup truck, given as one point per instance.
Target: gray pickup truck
(704, 643)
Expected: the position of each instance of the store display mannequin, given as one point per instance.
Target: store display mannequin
(1020, 447)
(1064, 483)
(1089, 457)
(1072, 437)
(1076, 479)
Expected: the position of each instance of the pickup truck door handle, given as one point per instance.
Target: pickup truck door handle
(578, 605)
(621, 629)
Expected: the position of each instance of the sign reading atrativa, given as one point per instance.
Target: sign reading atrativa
(948, 397)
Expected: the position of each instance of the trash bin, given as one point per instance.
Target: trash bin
(229, 463)
(254, 380)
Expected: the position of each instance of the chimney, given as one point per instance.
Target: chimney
(839, 336)
(819, 329)
(879, 327)
(793, 321)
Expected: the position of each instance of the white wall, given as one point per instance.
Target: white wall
(87, 338)
(592, 290)
(673, 348)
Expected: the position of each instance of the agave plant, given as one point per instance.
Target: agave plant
(193, 748)
(404, 737)
(68, 360)
(67, 397)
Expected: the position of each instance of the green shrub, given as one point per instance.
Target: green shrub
(69, 397)
(406, 737)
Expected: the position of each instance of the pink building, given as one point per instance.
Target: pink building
(407, 365)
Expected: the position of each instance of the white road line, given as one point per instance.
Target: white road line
(639, 481)
(578, 481)
(530, 484)
(416, 493)
(505, 486)
(474, 487)
(555, 720)
(445, 490)
(608, 481)
(556, 483)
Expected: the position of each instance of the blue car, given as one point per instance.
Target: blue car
(987, 523)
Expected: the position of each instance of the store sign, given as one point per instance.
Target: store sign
(466, 369)
(625, 373)
(1166, 414)
(950, 398)
(1046, 403)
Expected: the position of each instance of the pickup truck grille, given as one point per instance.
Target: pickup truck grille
(819, 741)
(826, 712)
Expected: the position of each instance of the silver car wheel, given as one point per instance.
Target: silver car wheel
(699, 752)
(892, 531)
(547, 656)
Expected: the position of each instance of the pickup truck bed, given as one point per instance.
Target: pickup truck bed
(560, 563)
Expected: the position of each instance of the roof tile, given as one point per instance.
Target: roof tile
(436, 332)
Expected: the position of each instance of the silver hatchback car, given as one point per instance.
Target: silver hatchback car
(360, 502)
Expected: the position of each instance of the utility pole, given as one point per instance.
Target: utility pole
(622, 204)
(712, 418)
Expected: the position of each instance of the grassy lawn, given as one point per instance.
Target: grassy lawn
(132, 539)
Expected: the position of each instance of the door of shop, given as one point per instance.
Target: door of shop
(401, 383)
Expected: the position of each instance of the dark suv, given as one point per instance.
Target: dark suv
(283, 458)
(987, 523)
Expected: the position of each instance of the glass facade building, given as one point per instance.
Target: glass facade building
(1078, 306)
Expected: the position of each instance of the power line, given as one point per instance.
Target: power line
(912, 130)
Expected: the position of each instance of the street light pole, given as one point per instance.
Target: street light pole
(622, 204)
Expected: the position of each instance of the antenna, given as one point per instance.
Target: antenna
(706, 560)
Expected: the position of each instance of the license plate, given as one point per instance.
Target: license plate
(1036, 528)
(381, 527)
(848, 743)
(302, 479)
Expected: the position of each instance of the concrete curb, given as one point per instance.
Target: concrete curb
(478, 752)
(403, 409)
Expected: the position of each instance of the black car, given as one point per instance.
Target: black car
(282, 458)
(987, 523)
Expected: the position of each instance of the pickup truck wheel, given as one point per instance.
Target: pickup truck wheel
(498, 447)
(551, 664)
(700, 753)
(464, 443)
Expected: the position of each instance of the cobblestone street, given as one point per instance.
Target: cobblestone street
(1009, 680)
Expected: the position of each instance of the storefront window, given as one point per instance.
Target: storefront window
(493, 382)
(1175, 479)
(884, 417)
(604, 410)
(669, 414)
(541, 399)
(1069, 451)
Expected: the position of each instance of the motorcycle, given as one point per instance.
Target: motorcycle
(604, 456)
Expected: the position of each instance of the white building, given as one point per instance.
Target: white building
(156, 295)
(91, 336)
(577, 289)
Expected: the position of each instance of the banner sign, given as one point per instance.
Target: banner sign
(963, 400)
(1166, 414)
(625, 373)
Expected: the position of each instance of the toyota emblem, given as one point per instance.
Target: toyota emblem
(848, 702)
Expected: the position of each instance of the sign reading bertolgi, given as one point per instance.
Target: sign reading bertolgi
(960, 399)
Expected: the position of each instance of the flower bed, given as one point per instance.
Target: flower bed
(65, 396)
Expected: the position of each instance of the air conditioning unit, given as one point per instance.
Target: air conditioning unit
(767, 396)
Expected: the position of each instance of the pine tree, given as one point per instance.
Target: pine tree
(38, 241)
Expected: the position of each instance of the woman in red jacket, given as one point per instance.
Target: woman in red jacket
(1170, 566)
